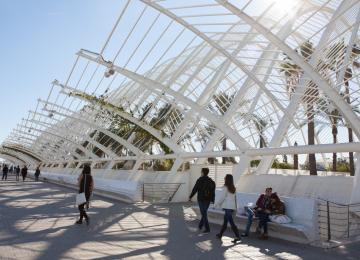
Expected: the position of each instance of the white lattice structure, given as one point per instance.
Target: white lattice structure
(176, 81)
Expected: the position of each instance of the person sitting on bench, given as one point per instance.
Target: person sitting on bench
(277, 206)
(262, 211)
(278, 210)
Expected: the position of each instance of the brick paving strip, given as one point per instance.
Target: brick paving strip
(37, 222)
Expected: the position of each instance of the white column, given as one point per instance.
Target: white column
(241, 168)
(355, 194)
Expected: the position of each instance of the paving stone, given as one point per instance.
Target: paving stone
(37, 222)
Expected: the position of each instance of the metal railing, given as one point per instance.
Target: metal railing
(338, 221)
(159, 192)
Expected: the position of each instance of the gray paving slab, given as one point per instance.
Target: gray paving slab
(37, 222)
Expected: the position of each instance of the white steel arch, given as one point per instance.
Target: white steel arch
(208, 79)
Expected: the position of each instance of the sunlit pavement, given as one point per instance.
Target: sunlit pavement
(37, 222)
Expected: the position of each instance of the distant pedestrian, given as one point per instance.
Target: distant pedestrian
(17, 172)
(227, 201)
(205, 189)
(86, 185)
(24, 172)
(5, 172)
(37, 173)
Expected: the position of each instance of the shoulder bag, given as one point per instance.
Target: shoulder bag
(80, 197)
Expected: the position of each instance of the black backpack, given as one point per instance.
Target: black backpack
(208, 189)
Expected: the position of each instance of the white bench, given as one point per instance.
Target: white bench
(302, 211)
(124, 190)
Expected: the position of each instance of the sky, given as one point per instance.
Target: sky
(38, 42)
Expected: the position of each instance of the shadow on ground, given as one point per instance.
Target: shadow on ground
(37, 222)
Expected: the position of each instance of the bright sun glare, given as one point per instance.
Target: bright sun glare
(283, 7)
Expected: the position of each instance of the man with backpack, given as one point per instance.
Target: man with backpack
(205, 189)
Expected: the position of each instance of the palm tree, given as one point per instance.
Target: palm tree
(336, 58)
(334, 117)
(310, 97)
(292, 74)
(260, 125)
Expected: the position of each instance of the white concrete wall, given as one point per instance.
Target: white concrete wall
(286, 182)
(333, 188)
(139, 176)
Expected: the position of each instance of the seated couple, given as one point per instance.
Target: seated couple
(267, 205)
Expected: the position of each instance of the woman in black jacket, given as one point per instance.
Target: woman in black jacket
(85, 181)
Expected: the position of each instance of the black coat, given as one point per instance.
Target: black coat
(87, 178)
(24, 171)
(199, 188)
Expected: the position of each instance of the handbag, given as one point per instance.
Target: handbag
(80, 197)
(236, 207)
(280, 219)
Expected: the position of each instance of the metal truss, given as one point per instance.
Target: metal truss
(194, 79)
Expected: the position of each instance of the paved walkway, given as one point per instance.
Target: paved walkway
(37, 222)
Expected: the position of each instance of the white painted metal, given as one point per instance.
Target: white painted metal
(226, 49)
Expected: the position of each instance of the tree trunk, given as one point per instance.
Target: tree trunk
(351, 154)
(334, 133)
(261, 142)
(311, 138)
(296, 159)
(350, 132)
(224, 149)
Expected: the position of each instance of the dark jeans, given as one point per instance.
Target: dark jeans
(228, 217)
(36, 177)
(204, 206)
(4, 176)
(263, 220)
(82, 211)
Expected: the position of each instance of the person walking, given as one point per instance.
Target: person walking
(24, 172)
(227, 201)
(86, 185)
(17, 172)
(37, 173)
(205, 189)
(5, 172)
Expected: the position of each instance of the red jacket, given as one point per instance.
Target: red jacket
(261, 201)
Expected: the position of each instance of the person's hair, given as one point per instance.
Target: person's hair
(229, 183)
(268, 189)
(275, 197)
(86, 169)
(205, 171)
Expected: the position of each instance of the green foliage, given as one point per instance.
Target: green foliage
(124, 128)
(342, 165)
(163, 165)
(254, 163)
(281, 165)
(306, 50)
(276, 164)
